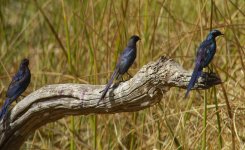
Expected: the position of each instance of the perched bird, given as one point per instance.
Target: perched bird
(17, 86)
(205, 54)
(126, 59)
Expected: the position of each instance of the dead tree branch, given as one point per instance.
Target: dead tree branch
(53, 102)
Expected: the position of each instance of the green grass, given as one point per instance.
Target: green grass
(79, 42)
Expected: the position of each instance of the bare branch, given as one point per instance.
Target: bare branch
(53, 102)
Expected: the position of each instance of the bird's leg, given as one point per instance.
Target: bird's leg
(210, 70)
(204, 76)
(115, 85)
(121, 79)
(130, 76)
(22, 96)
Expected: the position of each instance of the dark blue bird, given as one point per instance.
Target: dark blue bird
(205, 54)
(126, 59)
(17, 86)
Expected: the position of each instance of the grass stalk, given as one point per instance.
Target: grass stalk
(218, 119)
(204, 122)
(67, 36)
(72, 124)
(229, 110)
(170, 131)
(72, 128)
(51, 28)
(132, 141)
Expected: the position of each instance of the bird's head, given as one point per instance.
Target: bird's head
(24, 62)
(215, 33)
(133, 40)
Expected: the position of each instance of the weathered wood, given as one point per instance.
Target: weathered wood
(53, 102)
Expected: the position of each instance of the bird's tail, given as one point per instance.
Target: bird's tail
(115, 74)
(5, 108)
(195, 75)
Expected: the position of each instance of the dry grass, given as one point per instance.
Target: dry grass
(79, 41)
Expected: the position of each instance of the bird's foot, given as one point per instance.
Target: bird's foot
(22, 95)
(115, 85)
(210, 70)
(130, 76)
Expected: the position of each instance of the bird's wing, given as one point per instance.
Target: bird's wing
(126, 53)
(205, 53)
(19, 78)
(126, 58)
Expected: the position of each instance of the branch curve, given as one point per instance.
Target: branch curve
(53, 102)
